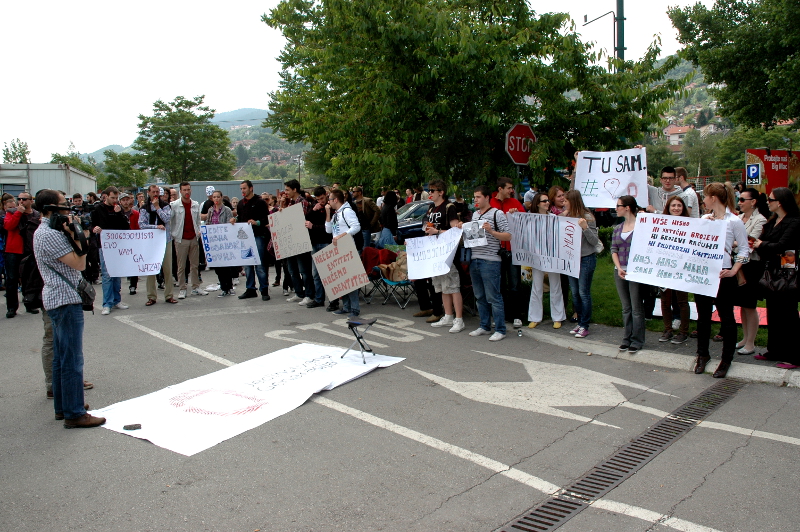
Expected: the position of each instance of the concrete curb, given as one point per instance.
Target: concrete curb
(740, 371)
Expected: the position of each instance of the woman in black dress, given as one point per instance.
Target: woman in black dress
(778, 244)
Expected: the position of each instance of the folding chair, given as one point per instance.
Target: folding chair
(353, 324)
(403, 289)
(370, 258)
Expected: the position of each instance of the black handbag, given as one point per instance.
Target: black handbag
(779, 280)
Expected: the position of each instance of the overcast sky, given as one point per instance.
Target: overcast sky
(84, 71)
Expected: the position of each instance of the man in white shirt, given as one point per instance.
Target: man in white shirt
(688, 194)
(340, 220)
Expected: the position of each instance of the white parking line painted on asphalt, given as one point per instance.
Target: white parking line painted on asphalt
(522, 477)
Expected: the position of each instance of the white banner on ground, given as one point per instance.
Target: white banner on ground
(677, 252)
(134, 252)
(289, 234)
(199, 413)
(429, 256)
(546, 242)
(340, 268)
(603, 177)
(229, 245)
(474, 234)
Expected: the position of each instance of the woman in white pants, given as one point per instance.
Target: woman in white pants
(541, 205)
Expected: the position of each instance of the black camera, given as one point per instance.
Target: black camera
(57, 221)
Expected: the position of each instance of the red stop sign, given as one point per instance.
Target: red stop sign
(518, 140)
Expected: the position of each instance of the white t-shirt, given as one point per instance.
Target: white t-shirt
(689, 197)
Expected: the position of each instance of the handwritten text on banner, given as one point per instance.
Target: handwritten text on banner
(677, 252)
(603, 177)
(545, 242)
(133, 253)
(229, 245)
(340, 268)
(430, 256)
(289, 234)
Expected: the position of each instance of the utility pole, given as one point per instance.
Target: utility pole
(620, 20)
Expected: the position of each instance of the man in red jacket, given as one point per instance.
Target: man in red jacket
(15, 223)
(512, 275)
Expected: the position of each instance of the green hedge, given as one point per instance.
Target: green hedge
(604, 233)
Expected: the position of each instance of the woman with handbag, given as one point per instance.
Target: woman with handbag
(582, 286)
(777, 247)
(718, 200)
(750, 273)
(630, 293)
(541, 205)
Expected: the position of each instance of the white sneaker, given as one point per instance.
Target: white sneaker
(106, 311)
(285, 292)
(517, 324)
(232, 291)
(121, 306)
(223, 294)
(182, 294)
(305, 301)
(446, 320)
(496, 337)
(479, 332)
(199, 292)
(293, 298)
(574, 330)
(458, 325)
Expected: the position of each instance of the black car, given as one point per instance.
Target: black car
(410, 218)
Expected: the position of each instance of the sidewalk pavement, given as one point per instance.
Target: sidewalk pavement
(604, 340)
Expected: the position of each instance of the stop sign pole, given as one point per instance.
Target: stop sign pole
(518, 144)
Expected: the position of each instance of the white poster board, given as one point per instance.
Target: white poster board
(130, 253)
(474, 234)
(289, 234)
(603, 177)
(677, 252)
(430, 256)
(340, 268)
(229, 245)
(546, 242)
(194, 415)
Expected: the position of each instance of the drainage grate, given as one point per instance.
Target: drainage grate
(623, 464)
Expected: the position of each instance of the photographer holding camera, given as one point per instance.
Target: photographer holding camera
(60, 251)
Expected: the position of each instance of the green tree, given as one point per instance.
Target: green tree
(241, 155)
(123, 169)
(181, 143)
(16, 153)
(393, 90)
(73, 158)
(752, 48)
(731, 148)
(659, 155)
(699, 153)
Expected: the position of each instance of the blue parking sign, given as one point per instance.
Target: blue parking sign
(753, 174)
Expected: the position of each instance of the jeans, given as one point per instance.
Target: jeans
(727, 321)
(68, 360)
(12, 280)
(485, 275)
(111, 287)
(350, 303)
(261, 271)
(582, 290)
(300, 270)
(630, 295)
(367, 234)
(47, 351)
(319, 289)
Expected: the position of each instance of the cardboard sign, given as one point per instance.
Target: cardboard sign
(604, 177)
(429, 256)
(546, 242)
(289, 234)
(677, 252)
(229, 245)
(340, 268)
(474, 234)
(134, 252)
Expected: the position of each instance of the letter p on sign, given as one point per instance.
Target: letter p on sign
(753, 174)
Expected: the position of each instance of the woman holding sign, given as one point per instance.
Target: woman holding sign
(675, 206)
(630, 293)
(219, 213)
(778, 247)
(719, 205)
(541, 205)
(582, 286)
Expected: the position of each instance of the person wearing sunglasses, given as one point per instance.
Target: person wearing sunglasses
(540, 204)
(19, 223)
(748, 293)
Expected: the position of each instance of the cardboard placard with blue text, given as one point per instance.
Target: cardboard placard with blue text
(430, 256)
(546, 242)
(131, 253)
(604, 177)
(677, 252)
(229, 245)
(340, 268)
(289, 234)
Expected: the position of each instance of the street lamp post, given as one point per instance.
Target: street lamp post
(619, 28)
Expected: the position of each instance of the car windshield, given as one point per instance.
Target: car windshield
(412, 211)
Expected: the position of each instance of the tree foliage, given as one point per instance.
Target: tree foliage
(389, 91)
(730, 150)
(750, 47)
(16, 153)
(180, 143)
(123, 170)
(72, 157)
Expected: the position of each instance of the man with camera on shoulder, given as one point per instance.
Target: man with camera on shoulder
(60, 251)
